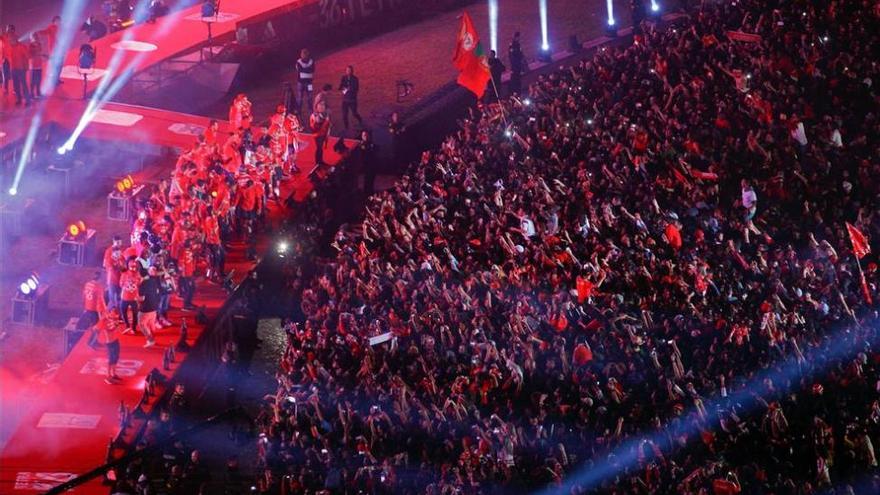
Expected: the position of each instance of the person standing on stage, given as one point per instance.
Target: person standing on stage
(114, 265)
(517, 64)
(6, 56)
(93, 303)
(496, 69)
(151, 293)
(129, 282)
(305, 70)
(320, 125)
(35, 63)
(18, 64)
(187, 266)
(396, 128)
(107, 330)
(51, 34)
(350, 85)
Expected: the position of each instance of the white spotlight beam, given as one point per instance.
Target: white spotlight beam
(493, 24)
(545, 42)
(70, 14)
(610, 7)
(108, 87)
(27, 150)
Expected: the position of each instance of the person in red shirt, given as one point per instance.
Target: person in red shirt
(93, 303)
(320, 124)
(107, 330)
(51, 35)
(35, 64)
(18, 64)
(211, 133)
(211, 228)
(114, 264)
(187, 265)
(249, 202)
(6, 56)
(129, 282)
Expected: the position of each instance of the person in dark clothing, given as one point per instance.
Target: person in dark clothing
(350, 85)
(305, 77)
(367, 152)
(496, 69)
(517, 64)
(94, 28)
(396, 128)
(151, 294)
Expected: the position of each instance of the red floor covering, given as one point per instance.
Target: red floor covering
(68, 429)
(147, 45)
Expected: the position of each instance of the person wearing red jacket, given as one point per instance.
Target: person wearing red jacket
(93, 303)
(187, 266)
(129, 282)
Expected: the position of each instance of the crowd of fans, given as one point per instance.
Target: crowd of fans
(643, 243)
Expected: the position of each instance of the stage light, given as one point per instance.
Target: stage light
(62, 149)
(13, 191)
(493, 24)
(29, 286)
(527, 102)
(545, 43)
(508, 133)
(76, 229)
(544, 55)
(655, 7)
(282, 248)
(589, 121)
(125, 184)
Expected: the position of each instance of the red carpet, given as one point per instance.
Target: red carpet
(76, 414)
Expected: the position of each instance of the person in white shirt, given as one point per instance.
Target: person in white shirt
(749, 200)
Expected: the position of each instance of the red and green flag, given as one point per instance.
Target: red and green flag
(469, 58)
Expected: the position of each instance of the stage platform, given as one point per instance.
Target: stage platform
(75, 414)
(143, 46)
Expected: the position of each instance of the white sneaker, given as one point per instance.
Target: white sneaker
(150, 343)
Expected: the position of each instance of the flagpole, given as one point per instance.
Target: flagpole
(863, 284)
(498, 99)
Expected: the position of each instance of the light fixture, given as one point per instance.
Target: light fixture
(76, 229)
(29, 286)
(125, 185)
(13, 191)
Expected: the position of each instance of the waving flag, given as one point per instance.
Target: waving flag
(469, 59)
(860, 245)
(861, 248)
